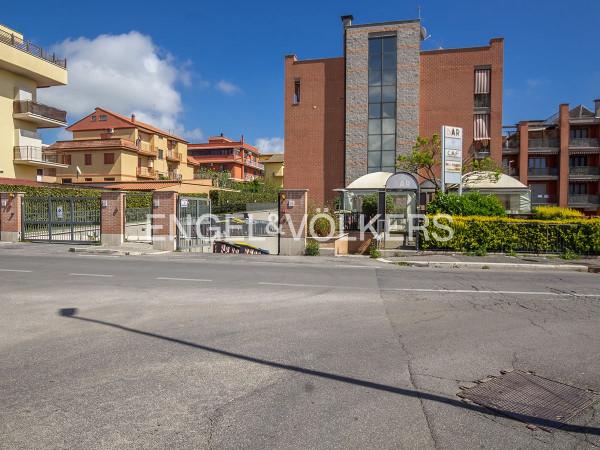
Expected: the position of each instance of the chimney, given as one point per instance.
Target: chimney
(133, 117)
(347, 20)
(597, 102)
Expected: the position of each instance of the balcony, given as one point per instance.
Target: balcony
(542, 172)
(35, 156)
(43, 116)
(584, 172)
(25, 46)
(254, 164)
(544, 145)
(173, 155)
(543, 199)
(511, 171)
(146, 149)
(584, 200)
(585, 143)
(146, 172)
(175, 175)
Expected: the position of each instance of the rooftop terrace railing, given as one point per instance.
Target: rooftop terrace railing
(28, 47)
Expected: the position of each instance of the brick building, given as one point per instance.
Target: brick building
(352, 115)
(222, 154)
(558, 158)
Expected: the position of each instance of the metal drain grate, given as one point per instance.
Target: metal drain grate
(526, 397)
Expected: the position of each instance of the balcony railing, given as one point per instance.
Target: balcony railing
(482, 100)
(254, 164)
(512, 171)
(544, 143)
(584, 142)
(27, 106)
(173, 156)
(175, 175)
(145, 148)
(545, 200)
(542, 171)
(584, 199)
(32, 49)
(35, 154)
(584, 170)
(146, 172)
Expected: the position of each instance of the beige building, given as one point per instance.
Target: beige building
(274, 166)
(108, 147)
(24, 68)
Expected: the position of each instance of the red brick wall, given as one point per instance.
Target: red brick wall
(10, 212)
(563, 171)
(314, 129)
(113, 213)
(447, 91)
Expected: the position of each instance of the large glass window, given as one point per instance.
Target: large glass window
(382, 104)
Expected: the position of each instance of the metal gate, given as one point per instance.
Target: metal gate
(66, 219)
(138, 213)
(192, 235)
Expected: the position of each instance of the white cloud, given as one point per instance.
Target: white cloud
(125, 73)
(270, 145)
(227, 88)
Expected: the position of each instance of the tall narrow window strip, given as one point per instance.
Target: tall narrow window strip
(481, 127)
(296, 99)
(482, 81)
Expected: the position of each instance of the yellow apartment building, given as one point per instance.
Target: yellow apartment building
(25, 68)
(274, 166)
(108, 147)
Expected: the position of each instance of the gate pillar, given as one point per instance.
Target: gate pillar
(11, 215)
(112, 218)
(164, 217)
(293, 218)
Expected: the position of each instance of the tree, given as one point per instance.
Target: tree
(424, 159)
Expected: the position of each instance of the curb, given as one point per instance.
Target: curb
(111, 252)
(483, 265)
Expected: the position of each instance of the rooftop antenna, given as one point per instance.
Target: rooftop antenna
(419, 11)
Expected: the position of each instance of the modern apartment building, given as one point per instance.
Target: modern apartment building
(558, 158)
(107, 147)
(25, 68)
(274, 168)
(222, 154)
(352, 115)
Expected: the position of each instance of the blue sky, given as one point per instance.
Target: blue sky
(224, 60)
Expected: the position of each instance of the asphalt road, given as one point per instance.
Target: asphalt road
(183, 351)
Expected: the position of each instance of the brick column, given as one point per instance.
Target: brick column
(112, 218)
(11, 204)
(164, 215)
(523, 152)
(563, 167)
(293, 209)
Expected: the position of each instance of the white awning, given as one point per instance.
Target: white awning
(481, 127)
(482, 81)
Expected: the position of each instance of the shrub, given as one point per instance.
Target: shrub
(235, 201)
(556, 213)
(52, 191)
(312, 248)
(497, 234)
(469, 204)
(374, 252)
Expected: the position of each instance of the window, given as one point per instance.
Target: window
(161, 154)
(481, 127)
(67, 180)
(88, 179)
(538, 163)
(381, 148)
(579, 133)
(67, 159)
(109, 179)
(296, 98)
(578, 188)
(578, 161)
(482, 88)
(103, 118)
(93, 118)
(109, 158)
(88, 159)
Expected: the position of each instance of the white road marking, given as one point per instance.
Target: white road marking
(356, 267)
(101, 275)
(182, 279)
(445, 291)
(15, 270)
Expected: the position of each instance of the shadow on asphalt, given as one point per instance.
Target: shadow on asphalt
(71, 313)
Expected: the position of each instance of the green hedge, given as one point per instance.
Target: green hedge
(469, 204)
(31, 191)
(235, 201)
(491, 234)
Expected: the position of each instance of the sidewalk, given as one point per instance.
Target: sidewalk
(495, 262)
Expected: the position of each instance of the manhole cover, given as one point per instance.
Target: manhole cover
(530, 398)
